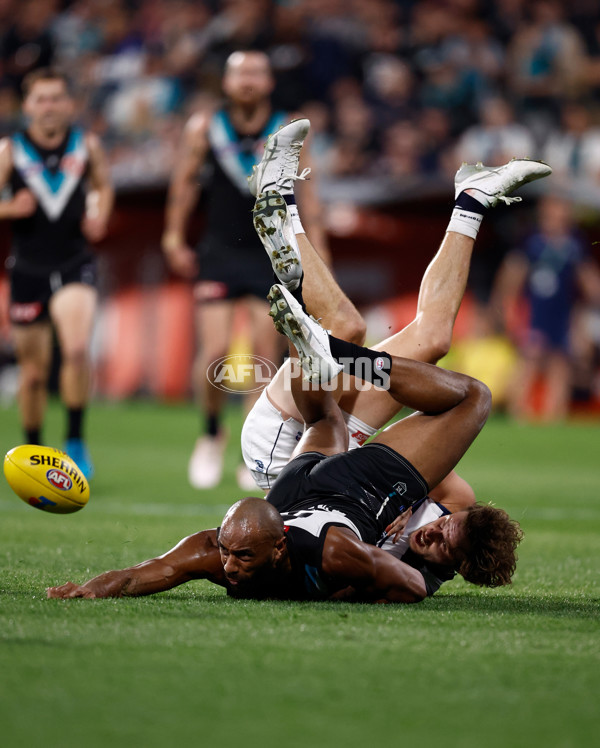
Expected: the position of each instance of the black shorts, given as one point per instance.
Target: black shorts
(370, 485)
(233, 274)
(30, 292)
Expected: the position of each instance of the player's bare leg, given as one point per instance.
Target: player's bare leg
(323, 296)
(214, 321)
(429, 336)
(299, 267)
(295, 261)
(72, 310)
(558, 388)
(326, 300)
(264, 340)
(554, 365)
(528, 369)
(33, 345)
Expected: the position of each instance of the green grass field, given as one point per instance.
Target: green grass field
(469, 668)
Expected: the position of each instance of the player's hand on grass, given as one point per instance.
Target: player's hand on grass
(23, 204)
(396, 528)
(69, 590)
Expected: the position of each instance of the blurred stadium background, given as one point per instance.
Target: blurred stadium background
(399, 92)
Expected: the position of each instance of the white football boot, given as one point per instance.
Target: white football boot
(205, 468)
(278, 168)
(307, 335)
(274, 228)
(492, 184)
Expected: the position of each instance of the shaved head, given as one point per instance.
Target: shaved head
(254, 517)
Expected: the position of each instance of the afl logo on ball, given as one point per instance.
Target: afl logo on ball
(58, 479)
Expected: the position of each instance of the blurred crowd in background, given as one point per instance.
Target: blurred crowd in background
(397, 87)
(397, 91)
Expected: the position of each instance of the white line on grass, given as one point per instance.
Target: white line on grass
(549, 514)
(136, 509)
(555, 514)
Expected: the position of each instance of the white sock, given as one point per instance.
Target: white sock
(296, 222)
(465, 222)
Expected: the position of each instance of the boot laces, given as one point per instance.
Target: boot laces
(290, 163)
(508, 200)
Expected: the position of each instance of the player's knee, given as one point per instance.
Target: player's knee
(76, 356)
(266, 347)
(209, 355)
(351, 326)
(437, 344)
(33, 377)
(481, 396)
(440, 347)
(434, 336)
(360, 331)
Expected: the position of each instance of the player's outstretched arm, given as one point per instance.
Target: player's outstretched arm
(374, 574)
(194, 557)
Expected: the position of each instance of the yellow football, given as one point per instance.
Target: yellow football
(46, 478)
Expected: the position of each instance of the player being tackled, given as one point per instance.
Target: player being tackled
(328, 508)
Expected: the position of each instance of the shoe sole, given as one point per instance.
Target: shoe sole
(286, 323)
(284, 258)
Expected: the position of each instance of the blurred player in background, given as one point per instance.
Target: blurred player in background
(48, 167)
(229, 263)
(551, 268)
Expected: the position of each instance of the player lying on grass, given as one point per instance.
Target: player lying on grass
(498, 182)
(335, 505)
(273, 427)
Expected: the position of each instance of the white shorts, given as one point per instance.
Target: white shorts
(268, 440)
